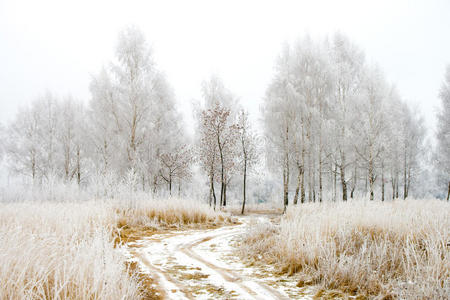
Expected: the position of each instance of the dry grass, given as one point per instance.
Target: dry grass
(270, 208)
(61, 251)
(146, 217)
(396, 249)
(51, 250)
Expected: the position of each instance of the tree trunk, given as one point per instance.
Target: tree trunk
(221, 195)
(78, 166)
(285, 188)
(354, 183)
(334, 183)
(213, 192)
(170, 184)
(393, 187)
(155, 181)
(33, 167)
(221, 188)
(210, 192)
(404, 179)
(382, 182)
(396, 188)
(371, 179)
(211, 186)
(344, 184)
(314, 183)
(310, 188)
(245, 180)
(221, 171)
(224, 194)
(320, 179)
(286, 172)
(448, 192)
(408, 182)
(302, 186)
(67, 163)
(299, 179)
(367, 180)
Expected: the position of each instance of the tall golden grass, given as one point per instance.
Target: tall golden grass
(51, 250)
(398, 249)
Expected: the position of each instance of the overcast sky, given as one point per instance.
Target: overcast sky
(58, 45)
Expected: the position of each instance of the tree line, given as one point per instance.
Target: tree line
(331, 117)
(332, 126)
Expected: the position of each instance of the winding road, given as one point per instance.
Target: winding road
(200, 264)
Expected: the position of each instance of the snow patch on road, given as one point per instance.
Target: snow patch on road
(200, 264)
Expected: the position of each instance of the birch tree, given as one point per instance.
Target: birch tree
(23, 149)
(278, 117)
(443, 134)
(71, 138)
(348, 61)
(133, 113)
(249, 151)
(371, 124)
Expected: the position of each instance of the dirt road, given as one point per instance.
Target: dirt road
(200, 264)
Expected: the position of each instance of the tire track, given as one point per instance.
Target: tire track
(227, 273)
(169, 257)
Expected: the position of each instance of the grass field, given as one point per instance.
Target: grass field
(71, 250)
(398, 249)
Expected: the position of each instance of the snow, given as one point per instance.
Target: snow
(202, 264)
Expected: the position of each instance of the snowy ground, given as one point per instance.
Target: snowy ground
(201, 264)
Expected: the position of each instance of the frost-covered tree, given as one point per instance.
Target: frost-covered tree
(443, 134)
(133, 113)
(49, 138)
(31, 142)
(104, 123)
(218, 137)
(371, 124)
(249, 152)
(278, 116)
(347, 62)
(23, 145)
(71, 138)
(327, 112)
(135, 78)
(313, 84)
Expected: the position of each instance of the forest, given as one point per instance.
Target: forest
(331, 125)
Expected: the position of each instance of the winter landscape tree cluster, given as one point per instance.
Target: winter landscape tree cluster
(131, 123)
(333, 127)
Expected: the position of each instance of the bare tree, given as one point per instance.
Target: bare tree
(249, 151)
(176, 165)
(219, 127)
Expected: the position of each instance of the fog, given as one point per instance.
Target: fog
(58, 45)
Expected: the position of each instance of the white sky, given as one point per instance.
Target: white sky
(58, 45)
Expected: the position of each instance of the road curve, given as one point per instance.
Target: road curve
(196, 264)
